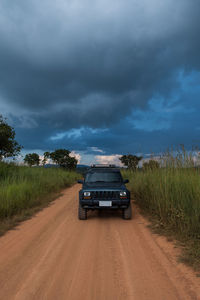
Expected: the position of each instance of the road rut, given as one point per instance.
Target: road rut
(55, 256)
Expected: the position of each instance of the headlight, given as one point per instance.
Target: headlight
(122, 194)
(87, 194)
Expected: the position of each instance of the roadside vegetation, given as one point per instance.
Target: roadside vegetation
(26, 189)
(170, 193)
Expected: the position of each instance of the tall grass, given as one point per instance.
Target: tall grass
(23, 188)
(172, 195)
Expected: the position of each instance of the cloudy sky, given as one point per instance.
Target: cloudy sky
(101, 78)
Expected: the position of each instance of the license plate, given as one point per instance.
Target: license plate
(105, 203)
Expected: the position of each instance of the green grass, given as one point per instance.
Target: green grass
(171, 195)
(23, 190)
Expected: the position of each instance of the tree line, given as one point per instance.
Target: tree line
(9, 147)
(59, 157)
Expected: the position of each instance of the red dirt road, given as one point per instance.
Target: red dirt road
(56, 256)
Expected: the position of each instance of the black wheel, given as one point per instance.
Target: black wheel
(82, 213)
(127, 213)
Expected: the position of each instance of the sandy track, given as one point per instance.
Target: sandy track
(56, 256)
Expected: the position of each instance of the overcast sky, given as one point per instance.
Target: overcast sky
(101, 77)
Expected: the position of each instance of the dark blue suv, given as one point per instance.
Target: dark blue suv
(103, 188)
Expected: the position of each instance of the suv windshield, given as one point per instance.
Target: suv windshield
(103, 177)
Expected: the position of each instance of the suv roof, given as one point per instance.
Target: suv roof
(103, 166)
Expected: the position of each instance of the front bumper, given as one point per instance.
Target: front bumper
(94, 204)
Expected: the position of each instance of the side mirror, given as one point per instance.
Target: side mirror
(80, 181)
(126, 181)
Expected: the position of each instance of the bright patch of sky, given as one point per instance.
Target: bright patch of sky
(109, 159)
(76, 133)
(96, 149)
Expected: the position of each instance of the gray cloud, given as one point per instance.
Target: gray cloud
(68, 64)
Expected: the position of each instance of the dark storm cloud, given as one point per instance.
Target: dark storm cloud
(69, 64)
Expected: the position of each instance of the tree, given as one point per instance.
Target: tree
(8, 145)
(46, 156)
(32, 159)
(130, 161)
(151, 165)
(62, 158)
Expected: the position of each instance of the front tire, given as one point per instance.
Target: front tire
(82, 213)
(127, 213)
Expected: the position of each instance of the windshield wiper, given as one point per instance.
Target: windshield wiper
(98, 181)
(116, 181)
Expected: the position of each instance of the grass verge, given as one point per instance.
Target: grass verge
(24, 191)
(171, 196)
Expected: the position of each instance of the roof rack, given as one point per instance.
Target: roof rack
(103, 166)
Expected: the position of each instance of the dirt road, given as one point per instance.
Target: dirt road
(56, 256)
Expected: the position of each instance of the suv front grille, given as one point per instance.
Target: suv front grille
(105, 195)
